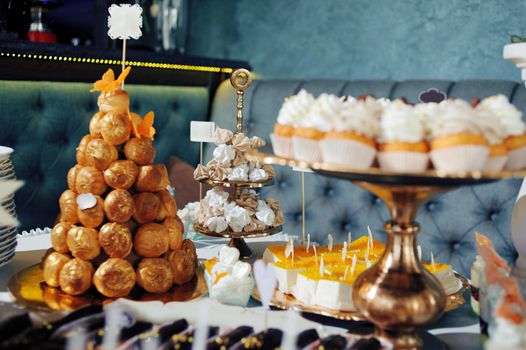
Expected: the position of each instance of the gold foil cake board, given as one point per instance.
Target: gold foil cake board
(284, 301)
(28, 289)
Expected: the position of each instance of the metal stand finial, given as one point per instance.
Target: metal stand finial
(240, 80)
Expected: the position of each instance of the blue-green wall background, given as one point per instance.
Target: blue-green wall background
(361, 39)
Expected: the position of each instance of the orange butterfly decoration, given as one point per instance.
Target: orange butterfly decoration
(143, 127)
(108, 82)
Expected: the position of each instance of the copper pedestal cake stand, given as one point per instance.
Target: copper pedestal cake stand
(397, 294)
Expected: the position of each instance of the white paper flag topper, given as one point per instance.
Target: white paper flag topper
(202, 131)
(125, 21)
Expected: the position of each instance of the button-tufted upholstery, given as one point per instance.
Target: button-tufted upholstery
(337, 206)
(44, 122)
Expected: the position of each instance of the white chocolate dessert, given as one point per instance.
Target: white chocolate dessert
(229, 280)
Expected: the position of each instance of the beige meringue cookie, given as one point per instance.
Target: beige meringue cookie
(279, 218)
(247, 202)
(273, 203)
(269, 169)
(200, 172)
(240, 159)
(255, 225)
(241, 142)
(257, 142)
(222, 136)
(218, 172)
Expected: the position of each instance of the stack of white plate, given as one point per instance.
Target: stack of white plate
(7, 233)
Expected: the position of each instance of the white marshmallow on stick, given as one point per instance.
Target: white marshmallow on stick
(419, 251)
(308, 242)
(349, 238)
(344, 251)
(330, 240)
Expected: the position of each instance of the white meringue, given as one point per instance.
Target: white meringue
(237, 217)
(264, 213)
(217, 224)
(257, 174)
(216, 197)
(239, 173)
(189, 212)
(224, 154)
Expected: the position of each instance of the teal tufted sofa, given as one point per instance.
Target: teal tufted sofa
(44, 122)
(337, 206)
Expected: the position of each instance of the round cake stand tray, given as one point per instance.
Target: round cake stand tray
(237, 239)
(29, 290)
(286, 301)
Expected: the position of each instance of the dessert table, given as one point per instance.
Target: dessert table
(458, 329)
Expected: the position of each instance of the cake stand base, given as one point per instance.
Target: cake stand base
(245, 253)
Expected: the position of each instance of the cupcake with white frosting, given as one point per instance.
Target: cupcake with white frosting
(402, 145)
(351, 139)
(457, 139)
(292, 111)
(515, 131)
(313, 127)
(494, 132)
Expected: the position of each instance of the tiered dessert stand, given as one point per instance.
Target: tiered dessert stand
(397, 294)
(240, 80)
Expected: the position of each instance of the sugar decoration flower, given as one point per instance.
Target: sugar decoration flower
(108, 83)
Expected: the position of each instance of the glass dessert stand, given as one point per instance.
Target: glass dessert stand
(237, 238)
(397, 294)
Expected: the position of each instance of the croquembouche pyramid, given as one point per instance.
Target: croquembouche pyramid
(118, 224)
